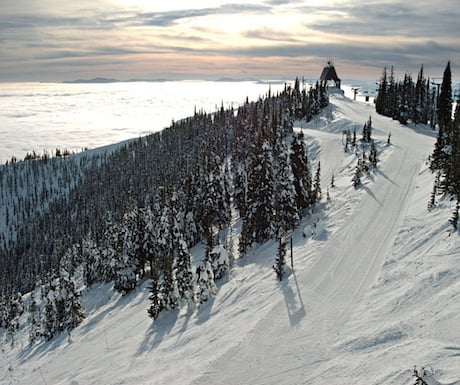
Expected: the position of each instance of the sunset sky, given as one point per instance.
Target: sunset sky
(271, 39)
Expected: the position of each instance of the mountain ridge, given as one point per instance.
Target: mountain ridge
(339, 316)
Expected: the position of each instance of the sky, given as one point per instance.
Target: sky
(54, 40)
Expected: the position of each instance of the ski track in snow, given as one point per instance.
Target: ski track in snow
(327, 322)
(341, 276)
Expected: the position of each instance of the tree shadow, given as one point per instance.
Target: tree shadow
(293, 299)
(380, 172)
(41, 347)
(204, 312)
(159, 328)
(369, 191)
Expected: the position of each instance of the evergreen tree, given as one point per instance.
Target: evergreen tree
(452, 171)
(286, 213)
(71, 310)
(444, 109)
(317, 184)
(15, 309)
(206, 287)
(34, 319)
(454, 219)
(373, 155)
(184, 274)
(301, 173)
(50, 319)
(367, 131)
(220, 263)
(93, 265)
(381, 100)
(259, 216)
(156, 304)
(357, 175)
(171, 237)
(445, 159)
(244, 240)
(280, 260)
(391, 103)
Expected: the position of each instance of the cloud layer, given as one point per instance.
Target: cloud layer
(54, 40)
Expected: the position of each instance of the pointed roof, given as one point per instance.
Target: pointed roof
(329, 73)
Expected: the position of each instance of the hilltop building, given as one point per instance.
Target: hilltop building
(328, 75)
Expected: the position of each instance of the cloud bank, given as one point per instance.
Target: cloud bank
(53, 40)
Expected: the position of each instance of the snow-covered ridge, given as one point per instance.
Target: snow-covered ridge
(374, 291)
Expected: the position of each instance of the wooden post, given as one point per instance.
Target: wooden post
(292, 256)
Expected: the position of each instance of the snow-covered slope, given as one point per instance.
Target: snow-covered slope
(374, 290)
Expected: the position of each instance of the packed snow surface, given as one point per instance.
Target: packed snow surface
(374, 290)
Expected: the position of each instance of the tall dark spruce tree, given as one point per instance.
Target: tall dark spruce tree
(286, 213)
(439, 160)
(445, 160)
(301, 173)
(260, 205)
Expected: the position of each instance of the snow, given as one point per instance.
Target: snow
(374, 291)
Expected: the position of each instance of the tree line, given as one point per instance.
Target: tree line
(406, 100)
(445, 159)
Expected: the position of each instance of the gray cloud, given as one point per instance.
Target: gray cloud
(169, 18)
(405, 56)
(389, 19)
(413, 34)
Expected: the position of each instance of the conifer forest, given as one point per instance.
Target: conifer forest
(132, 212)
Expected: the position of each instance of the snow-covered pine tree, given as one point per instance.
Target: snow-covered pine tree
(244, 240)
(445, 160)
(454, 219)
(260, 205)
(151, 236)
(421, 113)
(135, 227)
(317, 184)
(452, 172)
(215, 199)
(357, 175)
(220, 263)
(280, 260)
(118, 254)
(15, 308)
(314, 102)
(184, 273)
(125, 269)
(367, 131)
(382, 96)
(205, 285)
(111, 246)
(301, 173)
(34, 319)
(169, 231)
(3, 312)
(286, 213)
(63, 310)
(92, 263)
(71, 311)
(373, 155)
(156, 304)
(50, 321)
